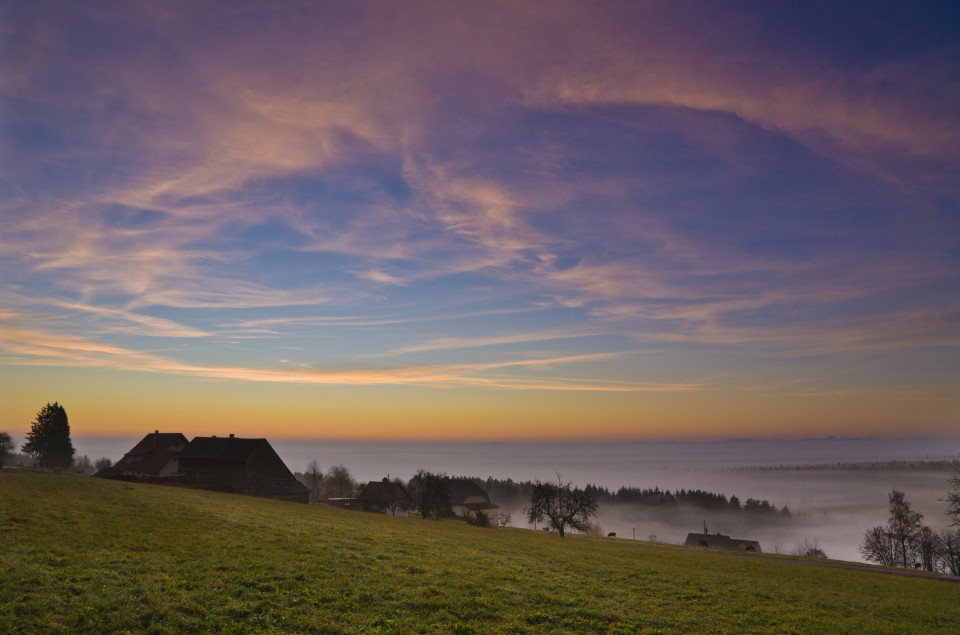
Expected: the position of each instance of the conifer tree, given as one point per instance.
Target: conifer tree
(49, 438)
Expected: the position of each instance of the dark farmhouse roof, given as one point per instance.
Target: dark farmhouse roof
(462, 490)
(152, 452)
(719, 541)
(248, 466)
(229, 448)
(383, 492)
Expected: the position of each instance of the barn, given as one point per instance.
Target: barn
(241, 466)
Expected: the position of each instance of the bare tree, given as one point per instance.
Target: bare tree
(562, 506)
(314, 480)
(895, 543)
(103, 463)
(398, 504)
(339, 483)
(429, 493)
(83, 464)
(928, 547)
(953, 499)
(904, 524)
(808, 549)
(950, 551)
(6, 447)
(878, 546)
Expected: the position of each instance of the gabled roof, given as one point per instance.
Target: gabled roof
(384, 492)
(221, 448)
(153, 452)
(460, 489)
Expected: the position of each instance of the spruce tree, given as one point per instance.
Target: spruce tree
(49, 438)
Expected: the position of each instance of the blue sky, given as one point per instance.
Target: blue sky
(475, 221)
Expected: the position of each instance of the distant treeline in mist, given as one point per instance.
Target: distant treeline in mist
(508, 490)
(942, 464)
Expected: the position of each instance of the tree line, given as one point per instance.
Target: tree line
(559, 505)
(508, 489)
(904, 541)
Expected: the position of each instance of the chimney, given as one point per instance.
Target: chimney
(231, 435)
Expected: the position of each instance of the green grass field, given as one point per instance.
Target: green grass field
(88, 555)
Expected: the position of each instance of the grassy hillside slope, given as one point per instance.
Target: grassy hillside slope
(80, 554)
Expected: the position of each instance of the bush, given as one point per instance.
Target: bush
(808, 549)
(478, 519)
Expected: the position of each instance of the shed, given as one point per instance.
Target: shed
(719, 541)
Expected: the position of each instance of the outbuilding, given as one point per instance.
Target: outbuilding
(719, 541)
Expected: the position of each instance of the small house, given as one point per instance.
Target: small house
(386, 496)
(719, 541)
(466, 498)
(155, 456)
(241, 466)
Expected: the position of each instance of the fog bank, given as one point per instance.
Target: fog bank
(833, 503)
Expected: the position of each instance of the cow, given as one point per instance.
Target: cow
(612, 534)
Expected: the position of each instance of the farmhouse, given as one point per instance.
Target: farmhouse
(155, 456)
(386, 496)
(466, 498)
(719, 541)
(242, 466)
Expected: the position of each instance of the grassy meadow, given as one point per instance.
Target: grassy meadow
(87, 555)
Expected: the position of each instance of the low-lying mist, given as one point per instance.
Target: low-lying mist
(835, 488)
(831, 506)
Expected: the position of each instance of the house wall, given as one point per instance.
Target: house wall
(171, 468)
(461, 509)
(214, 473)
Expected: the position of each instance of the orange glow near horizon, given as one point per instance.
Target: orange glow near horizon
(469, 415)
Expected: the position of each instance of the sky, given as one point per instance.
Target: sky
(481, 221)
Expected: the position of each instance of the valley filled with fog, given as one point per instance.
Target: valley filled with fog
(835, 488)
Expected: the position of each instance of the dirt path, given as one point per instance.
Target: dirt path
(851, 566)
(908, 573)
